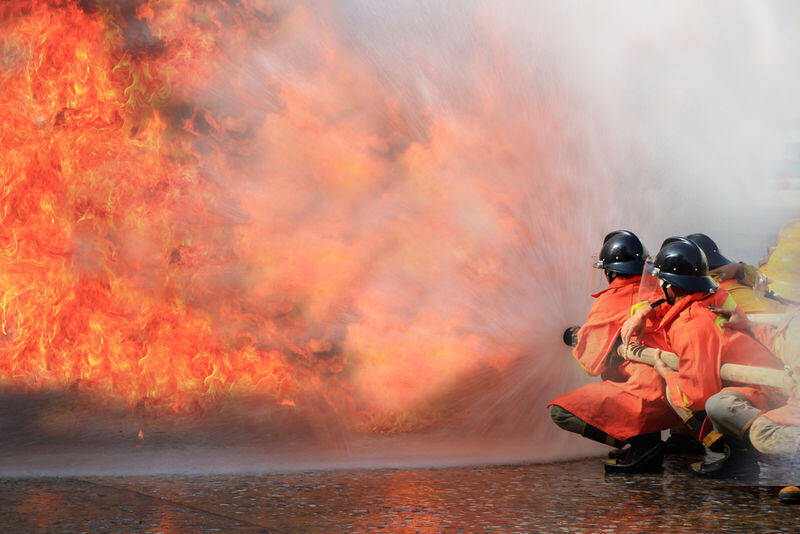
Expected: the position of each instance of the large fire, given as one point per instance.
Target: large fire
(207, 200)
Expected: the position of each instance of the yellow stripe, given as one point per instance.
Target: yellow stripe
(686, 402)
(730, 304)
(638, 306)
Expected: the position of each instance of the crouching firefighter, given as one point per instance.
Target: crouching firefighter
(696, 332)
(627, 408)
(774, 433)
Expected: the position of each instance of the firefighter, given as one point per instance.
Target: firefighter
(775, 432)
(738, 279)
(627, 408)
(694, 330)
(781, 267)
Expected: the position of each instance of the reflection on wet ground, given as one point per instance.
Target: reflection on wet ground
(564, 497)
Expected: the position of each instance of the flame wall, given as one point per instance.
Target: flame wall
(206, 201)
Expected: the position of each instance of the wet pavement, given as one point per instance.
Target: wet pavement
(563, 497)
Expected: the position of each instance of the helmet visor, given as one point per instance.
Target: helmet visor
(649, 288)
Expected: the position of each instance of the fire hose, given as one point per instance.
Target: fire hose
(770, 319)
(729, 372)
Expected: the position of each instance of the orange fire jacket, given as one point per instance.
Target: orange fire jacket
(695, 334)
(630, 399)
(598, 334)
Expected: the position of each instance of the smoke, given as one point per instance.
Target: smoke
(391, 206)
(693, 102)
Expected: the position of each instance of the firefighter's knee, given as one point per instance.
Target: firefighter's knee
(761, 432)
(774, 439)
(720, 404)
(565, 419)
(731, 412)
(716, 405)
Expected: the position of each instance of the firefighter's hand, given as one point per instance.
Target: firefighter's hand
(661, 368)
(735, 319)
(634, 326)
(732, 271)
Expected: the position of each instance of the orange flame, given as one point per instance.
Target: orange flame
(180, 230)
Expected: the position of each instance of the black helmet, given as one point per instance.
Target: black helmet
(609, 235)
(683, 264)
(670, 239)
(622, 253)
(707, 245)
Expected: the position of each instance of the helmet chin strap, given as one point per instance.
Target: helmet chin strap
(610, 275)
(664, 286)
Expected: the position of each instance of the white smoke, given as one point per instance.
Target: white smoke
(685, 106)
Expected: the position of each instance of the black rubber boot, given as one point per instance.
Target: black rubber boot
(789, 495)
(646, 455)
(618, 454)
(683, 444)
(738, 461)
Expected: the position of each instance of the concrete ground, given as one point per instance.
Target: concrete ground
(560, 497)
